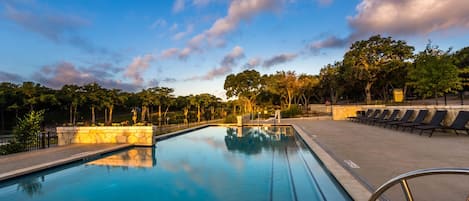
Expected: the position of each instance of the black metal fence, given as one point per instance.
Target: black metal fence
(44, 140)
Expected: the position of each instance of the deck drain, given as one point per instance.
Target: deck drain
(351, 164)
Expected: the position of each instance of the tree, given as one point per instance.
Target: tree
(461, 60)
(112, 97)
(8, 93)
(285, 85)
(161, 96)
(307, 88)
(332, 82)
(94, 94)
(71, 94)
(375, 56)
(146, 99)
(184, 103)
(245, 85)
(28, 128)
(434, 73)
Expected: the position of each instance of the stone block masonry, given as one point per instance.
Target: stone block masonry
(341, 112)
(136, 135)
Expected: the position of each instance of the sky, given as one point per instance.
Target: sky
(192, 45)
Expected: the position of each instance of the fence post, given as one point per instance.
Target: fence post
(43, 140)
(48, 139)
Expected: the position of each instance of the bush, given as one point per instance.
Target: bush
(11, 148)
(230, 119)
(28, 128)
(292, 112)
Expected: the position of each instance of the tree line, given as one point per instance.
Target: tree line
(91, 104)
(369, 70)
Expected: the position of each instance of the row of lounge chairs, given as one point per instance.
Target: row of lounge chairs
(382, 118)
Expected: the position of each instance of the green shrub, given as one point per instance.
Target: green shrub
(292, 112)
(230, 119)
(11, 148)
(28, 128)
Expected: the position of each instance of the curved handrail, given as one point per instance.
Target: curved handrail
(402, 179)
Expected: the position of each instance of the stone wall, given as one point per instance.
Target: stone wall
(342, 112)
(137, 135)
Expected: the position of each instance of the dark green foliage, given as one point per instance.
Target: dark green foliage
(230, 119)
(291, 112)
(434, 73)
(11, 148)
(28, 128)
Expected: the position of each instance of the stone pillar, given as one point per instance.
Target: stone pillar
(239, 119)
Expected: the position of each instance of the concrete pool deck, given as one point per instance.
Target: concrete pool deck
(375, 154)
(14, 165)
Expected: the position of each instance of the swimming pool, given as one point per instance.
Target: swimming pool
(214, 163)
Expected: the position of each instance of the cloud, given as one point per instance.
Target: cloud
(153, 83)
(168, 53)
(182, 34)
(238, 11)
(409, 17)
(178, 6)
(10, 77)
(158, 23)
(169, 80)
(401, 18)
(174, 27)
(330, 42)
(50, 25)
(278, 59)
(55, 76)
(57, 27)
(233, 56)
(139, 65)
(200, 3)
(253, 63)
(227, 64)
(184, 53)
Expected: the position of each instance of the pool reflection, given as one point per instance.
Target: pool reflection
(252, 140)
(136, 157)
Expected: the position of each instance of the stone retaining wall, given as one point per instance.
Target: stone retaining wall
(137, 135)
(342, 112)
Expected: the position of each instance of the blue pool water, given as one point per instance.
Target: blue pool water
(214, 163)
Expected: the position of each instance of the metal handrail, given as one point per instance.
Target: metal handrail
(402, 179)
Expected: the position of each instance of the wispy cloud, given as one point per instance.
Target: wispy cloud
(10, 77)
(168, 53)
(200, 3)
(57, 27)
(62, 73)
(278, 59)
(400, 18)
(139, 65)
(178, 6)
(253, 63)
(182, 34)
(158, 23)
(227, 64)
(238, 11)
(330, 42)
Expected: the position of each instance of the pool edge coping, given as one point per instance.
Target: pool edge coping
(59, 162)
(352, 186)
